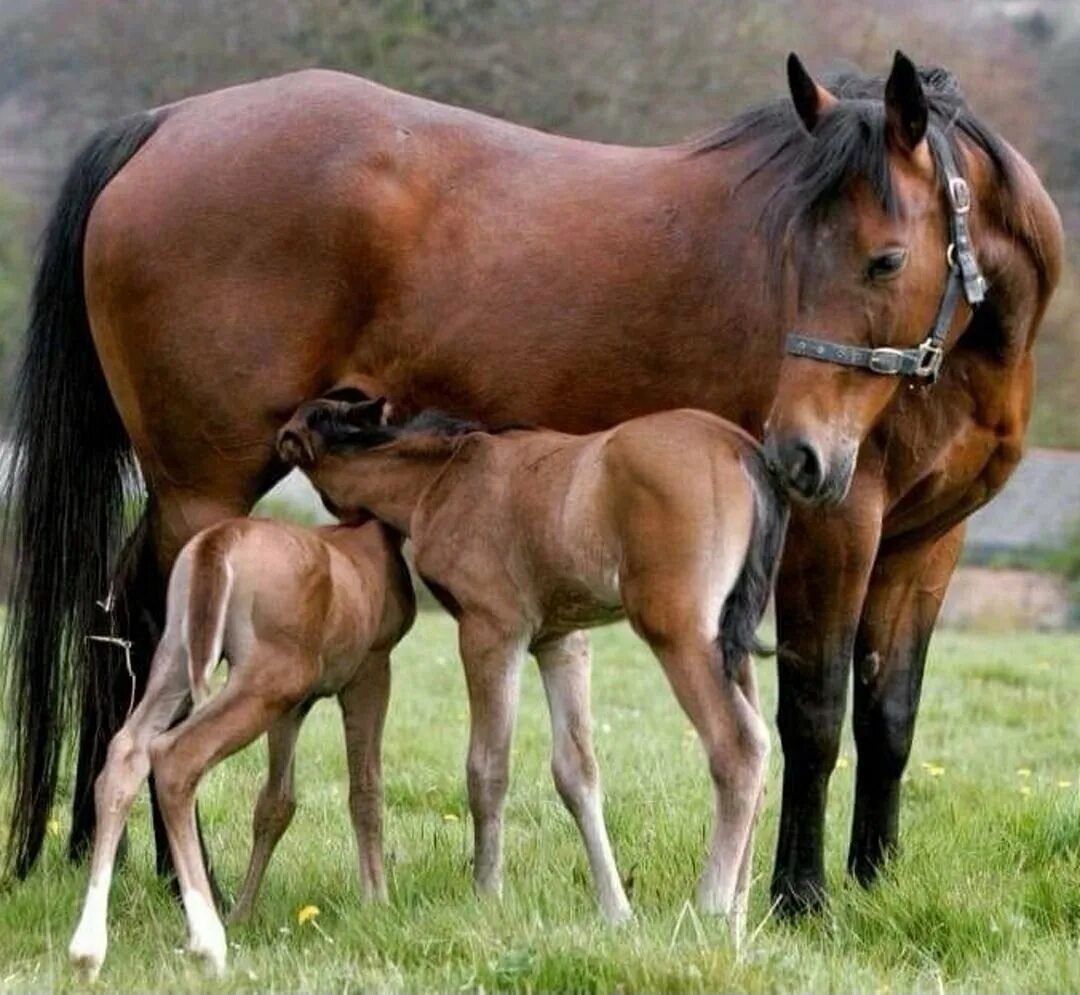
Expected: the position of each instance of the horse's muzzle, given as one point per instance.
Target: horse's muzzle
(806, 473)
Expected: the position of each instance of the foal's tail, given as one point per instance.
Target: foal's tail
(750, 596)
(209, 587)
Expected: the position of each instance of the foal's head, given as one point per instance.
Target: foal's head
(857, 220)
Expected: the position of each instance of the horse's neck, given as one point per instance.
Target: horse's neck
(387, 484)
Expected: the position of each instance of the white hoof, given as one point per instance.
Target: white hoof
(211, 950)
(206, 934)
(87, 950)
(618, 913)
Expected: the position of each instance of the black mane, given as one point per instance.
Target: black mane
(849, 142)
(432, 424)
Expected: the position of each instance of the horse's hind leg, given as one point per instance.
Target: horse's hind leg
(273, 810)
(746, 676)
(125, 770)
(363, 709)
(565, 671)
(682, 633)
(180, 757)
(137, 614)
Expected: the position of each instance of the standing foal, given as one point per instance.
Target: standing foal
(299, 614)
(528, 536)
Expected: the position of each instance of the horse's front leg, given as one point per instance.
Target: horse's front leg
(492, 656)
(906, 590)
(820, 590)
(565, 670)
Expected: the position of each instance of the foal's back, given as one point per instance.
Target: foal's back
(328, 594)
(568, 519)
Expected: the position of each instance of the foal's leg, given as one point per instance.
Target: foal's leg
(732, 732)
(564, 668)
(363, 708)
(232, 719)
(492, 659)
(126, 768)
(274, 809)
(746, 676)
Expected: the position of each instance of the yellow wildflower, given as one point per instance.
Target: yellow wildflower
(1023, 772)
(450, 817)
(307, 914)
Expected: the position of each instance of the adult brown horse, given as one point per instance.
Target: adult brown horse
(212, 264)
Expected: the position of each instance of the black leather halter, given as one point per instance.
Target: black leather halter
(924, 360)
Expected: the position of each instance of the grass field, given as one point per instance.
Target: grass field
(985, 895)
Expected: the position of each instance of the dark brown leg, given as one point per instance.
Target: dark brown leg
(906, 591)
(820, 591)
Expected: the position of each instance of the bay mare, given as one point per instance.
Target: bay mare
(212, 264)
(671, 520)
(300, 614)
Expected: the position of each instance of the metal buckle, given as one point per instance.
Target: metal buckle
(928, 362)
(888, 362)
(959, 195)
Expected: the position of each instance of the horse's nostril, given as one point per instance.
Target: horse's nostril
(799, 466)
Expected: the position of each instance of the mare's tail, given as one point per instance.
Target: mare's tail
(70, 458)
(749, 597)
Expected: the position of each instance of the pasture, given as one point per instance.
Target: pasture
(985, 895)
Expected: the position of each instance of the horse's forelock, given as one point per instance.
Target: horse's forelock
(807, 173)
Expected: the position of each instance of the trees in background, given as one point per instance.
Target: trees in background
(644, 71)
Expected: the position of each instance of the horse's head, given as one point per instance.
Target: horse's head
(317, 425)
(869, 205)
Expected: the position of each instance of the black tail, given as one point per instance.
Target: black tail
(750, 596)
(64, 499)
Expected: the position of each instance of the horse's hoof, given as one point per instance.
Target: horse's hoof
(618, 915)
(794, 898)
(211, 951)
(87, 953)
(206, 935)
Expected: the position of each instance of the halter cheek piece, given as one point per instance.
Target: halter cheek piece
(924, 360)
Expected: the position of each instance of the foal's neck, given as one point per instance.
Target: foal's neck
(387, 482)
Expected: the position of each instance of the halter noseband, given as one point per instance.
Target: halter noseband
(924, 360)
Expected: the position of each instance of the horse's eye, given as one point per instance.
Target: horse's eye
(886, 265)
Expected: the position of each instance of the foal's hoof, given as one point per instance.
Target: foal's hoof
(87, 952)
(206, 935)
(211, 950)
(618, 915)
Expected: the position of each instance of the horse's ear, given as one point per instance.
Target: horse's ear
(811, 100)
(366, 413)
(906, 109)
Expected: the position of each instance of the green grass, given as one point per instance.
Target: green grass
(985, 895)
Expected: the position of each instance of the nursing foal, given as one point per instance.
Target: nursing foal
(528, 536)
(299, 614)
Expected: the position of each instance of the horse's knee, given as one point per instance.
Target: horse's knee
(488, 782)
(884, 735)
(574, 770)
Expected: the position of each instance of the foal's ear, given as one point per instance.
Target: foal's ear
(295, 448)
(906, 109)
(366, 413)
(811, 100)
